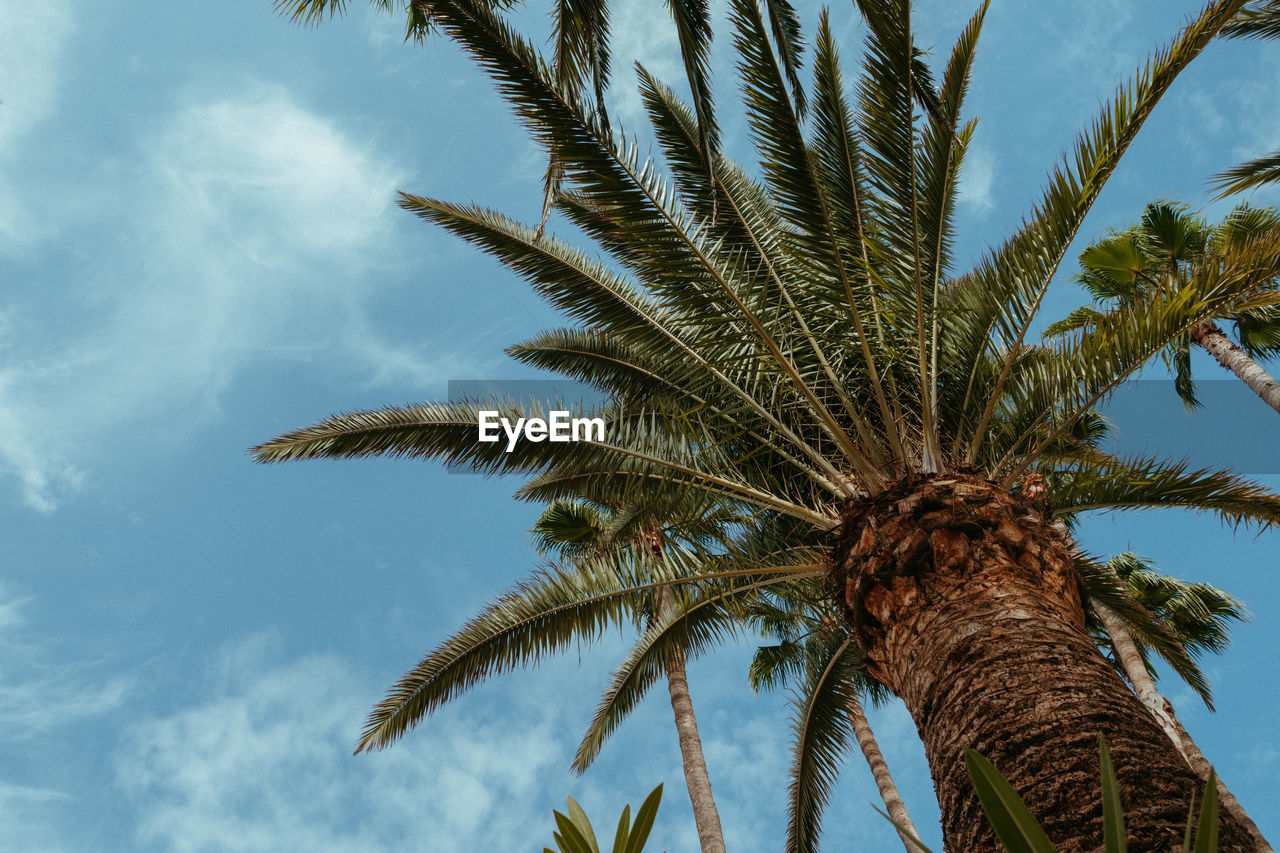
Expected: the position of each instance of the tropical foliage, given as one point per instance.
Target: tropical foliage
(1171, 243)
(1018, 831)
(799, 348)
(1260, 20)
(574, 833)
(1199, 615)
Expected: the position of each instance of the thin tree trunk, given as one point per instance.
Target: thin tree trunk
(705, 815)
(884, 780)
(1160, 708)
(966, 604)
(1230, 356)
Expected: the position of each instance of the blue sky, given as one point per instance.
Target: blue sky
(199, 249)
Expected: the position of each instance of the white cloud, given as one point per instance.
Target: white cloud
(253, 230)
(30, 817)
(636, 36)
(977, 179)
(38, 696)
(31, 42)
(41, 699)
(264, 763)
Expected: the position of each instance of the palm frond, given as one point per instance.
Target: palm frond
(991, 309)
(784, 24)
(1249, 175)
(693, 30)
(820, 738)
(538, 618)
(569, 528)
(1112, 483)
(417, 14)
(1102, 585)
(1259, 20)
(702, 619)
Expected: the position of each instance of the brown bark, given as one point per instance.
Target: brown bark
(965, 602)
(1230, 356)
(1160, 708)
(893, 804)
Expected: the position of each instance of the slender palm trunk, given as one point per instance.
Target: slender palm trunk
(1162, 710)
(705, 815)
(965, 602)
(1230, 356)
(884, 780)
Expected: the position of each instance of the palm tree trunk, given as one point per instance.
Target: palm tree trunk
(1230, 356)
(880, 771)
(965, 602)
(1160, 708)
(705, 815)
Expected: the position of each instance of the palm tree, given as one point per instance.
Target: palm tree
(1198, 615)
(816, 650)
(1132, 265)
(884, 419)
(575, 529)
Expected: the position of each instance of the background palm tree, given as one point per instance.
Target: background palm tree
(815, 652)
(1199, 615)
(1133, 265)
(885, 420)
(576, 529)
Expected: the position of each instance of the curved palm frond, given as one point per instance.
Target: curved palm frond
(1248, 175)
(1105, 588)
(1113, 483)
(1260, 20)
(707, 616)
(538, 618)
(820, 737)
(991, 309)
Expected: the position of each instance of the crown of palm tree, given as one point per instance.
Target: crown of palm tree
(807, 345)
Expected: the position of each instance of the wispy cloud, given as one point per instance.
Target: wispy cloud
(253, 230)
(41, 697)
(38, 693)
(31, 818)
(265, 759)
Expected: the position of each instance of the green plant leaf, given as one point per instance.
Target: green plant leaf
(644, 821)
(1017, 830)
(1207, 830)
(579, 818)
(624, 830)
(916, 841)
(1113, 834)
(1191, 819)
(570, 838)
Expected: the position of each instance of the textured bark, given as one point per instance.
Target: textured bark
(893, 804)
(1230, 356)
(1162, 710)
(966, 604)
(705, 815)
